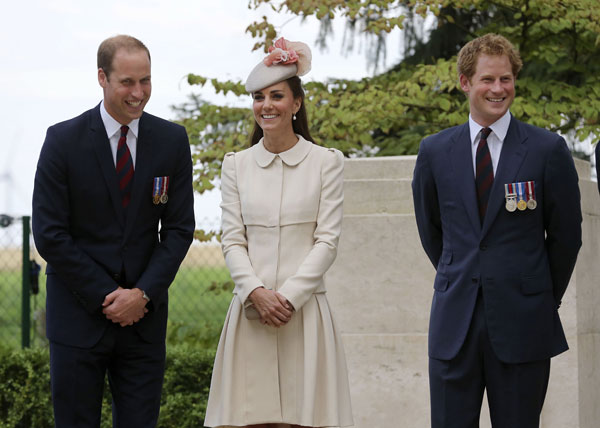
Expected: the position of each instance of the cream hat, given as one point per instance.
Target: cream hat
(286, 59)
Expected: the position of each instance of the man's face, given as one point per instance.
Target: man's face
(128, 88)
(491, 90)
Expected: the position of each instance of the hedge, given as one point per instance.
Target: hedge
(25, 400)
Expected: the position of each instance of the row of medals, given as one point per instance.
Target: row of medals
(160, 199)
(512, 204)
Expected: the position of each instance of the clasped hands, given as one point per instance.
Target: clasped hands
(274, 309)
(125, 306)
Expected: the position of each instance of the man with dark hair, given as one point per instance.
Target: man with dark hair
(498, 211)
(113, 217)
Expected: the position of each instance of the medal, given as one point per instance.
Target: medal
(159, 190)
(531, 202)
(156, 186)
(163, 194)
(511, 197)
(521, 204)
(511, 204)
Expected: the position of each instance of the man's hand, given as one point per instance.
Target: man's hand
(125, 306)
(273, 308)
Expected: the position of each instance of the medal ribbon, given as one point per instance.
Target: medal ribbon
(530, 190)
(165, 185)
(520, 191)
(157, 186)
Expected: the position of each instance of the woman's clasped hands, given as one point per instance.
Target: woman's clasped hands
(274, 309)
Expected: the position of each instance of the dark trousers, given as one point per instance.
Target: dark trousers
(135, 373)
(515, 392)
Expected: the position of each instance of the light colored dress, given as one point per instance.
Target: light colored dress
(282, 217)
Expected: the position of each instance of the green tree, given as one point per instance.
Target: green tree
(389, 113)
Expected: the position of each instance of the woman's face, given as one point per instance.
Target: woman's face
(274, 107)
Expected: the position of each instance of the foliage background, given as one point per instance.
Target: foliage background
(25, 384)
(390, 112)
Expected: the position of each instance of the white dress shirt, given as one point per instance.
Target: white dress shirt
(113, 130)
(494, 140)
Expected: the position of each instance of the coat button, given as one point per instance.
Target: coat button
(483, 247)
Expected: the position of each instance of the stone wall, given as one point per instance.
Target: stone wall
(380, 289)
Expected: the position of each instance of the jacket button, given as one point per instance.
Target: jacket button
(483, 247)
(474, 280)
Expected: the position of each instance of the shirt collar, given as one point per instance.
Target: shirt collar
(499, 127)
(112, 126)
(290, 157)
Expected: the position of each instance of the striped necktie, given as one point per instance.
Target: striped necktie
(124, 167)
(484, 173)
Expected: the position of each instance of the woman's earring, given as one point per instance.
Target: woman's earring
(294, 116)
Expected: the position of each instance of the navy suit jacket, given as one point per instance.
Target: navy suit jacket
(85, 235)
(522, 260)
(598, 165)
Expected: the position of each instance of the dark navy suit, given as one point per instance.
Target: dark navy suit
(92, 245)
(499, 284)
(598, 165)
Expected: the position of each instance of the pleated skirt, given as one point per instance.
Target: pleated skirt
(295, 374)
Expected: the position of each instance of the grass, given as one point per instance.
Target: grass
(198, 302)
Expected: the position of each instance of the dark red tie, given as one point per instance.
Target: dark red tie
(484, 173)
(124, 167)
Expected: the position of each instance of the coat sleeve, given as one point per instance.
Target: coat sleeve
(176, 225)
(427, 209)
(87, 280)
(299, 287)
(562, 216)
(233, 240)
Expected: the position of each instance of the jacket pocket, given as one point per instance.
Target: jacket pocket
(535, 285)
(446, 257)
(440, 283)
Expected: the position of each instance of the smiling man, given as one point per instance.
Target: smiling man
(498, 211)
(113, 217)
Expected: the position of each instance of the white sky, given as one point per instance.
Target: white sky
(48, 67)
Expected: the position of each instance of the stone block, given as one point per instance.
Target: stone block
(378, 196)
(388, 380)
(381, 282)
(388, 168)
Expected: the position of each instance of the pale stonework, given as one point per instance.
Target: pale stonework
(380, 289)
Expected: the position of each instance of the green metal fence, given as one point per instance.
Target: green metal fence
(198, 298)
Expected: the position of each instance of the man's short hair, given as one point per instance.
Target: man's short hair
(489, 44)
(109, 47)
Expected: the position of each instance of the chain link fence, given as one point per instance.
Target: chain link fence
(198, 298)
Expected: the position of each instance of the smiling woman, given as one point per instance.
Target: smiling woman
(280, 360)
(274, 108)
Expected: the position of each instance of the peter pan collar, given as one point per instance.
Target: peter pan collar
(290, 157)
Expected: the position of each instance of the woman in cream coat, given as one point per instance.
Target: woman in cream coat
(280, 360)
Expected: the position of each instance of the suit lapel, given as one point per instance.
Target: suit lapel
(101, 145)
(461, 157)
(511, 157)
(142, 171)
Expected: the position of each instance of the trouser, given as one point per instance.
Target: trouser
(515, 392)
(135, 372)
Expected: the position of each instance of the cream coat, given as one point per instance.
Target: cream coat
(282, 216)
